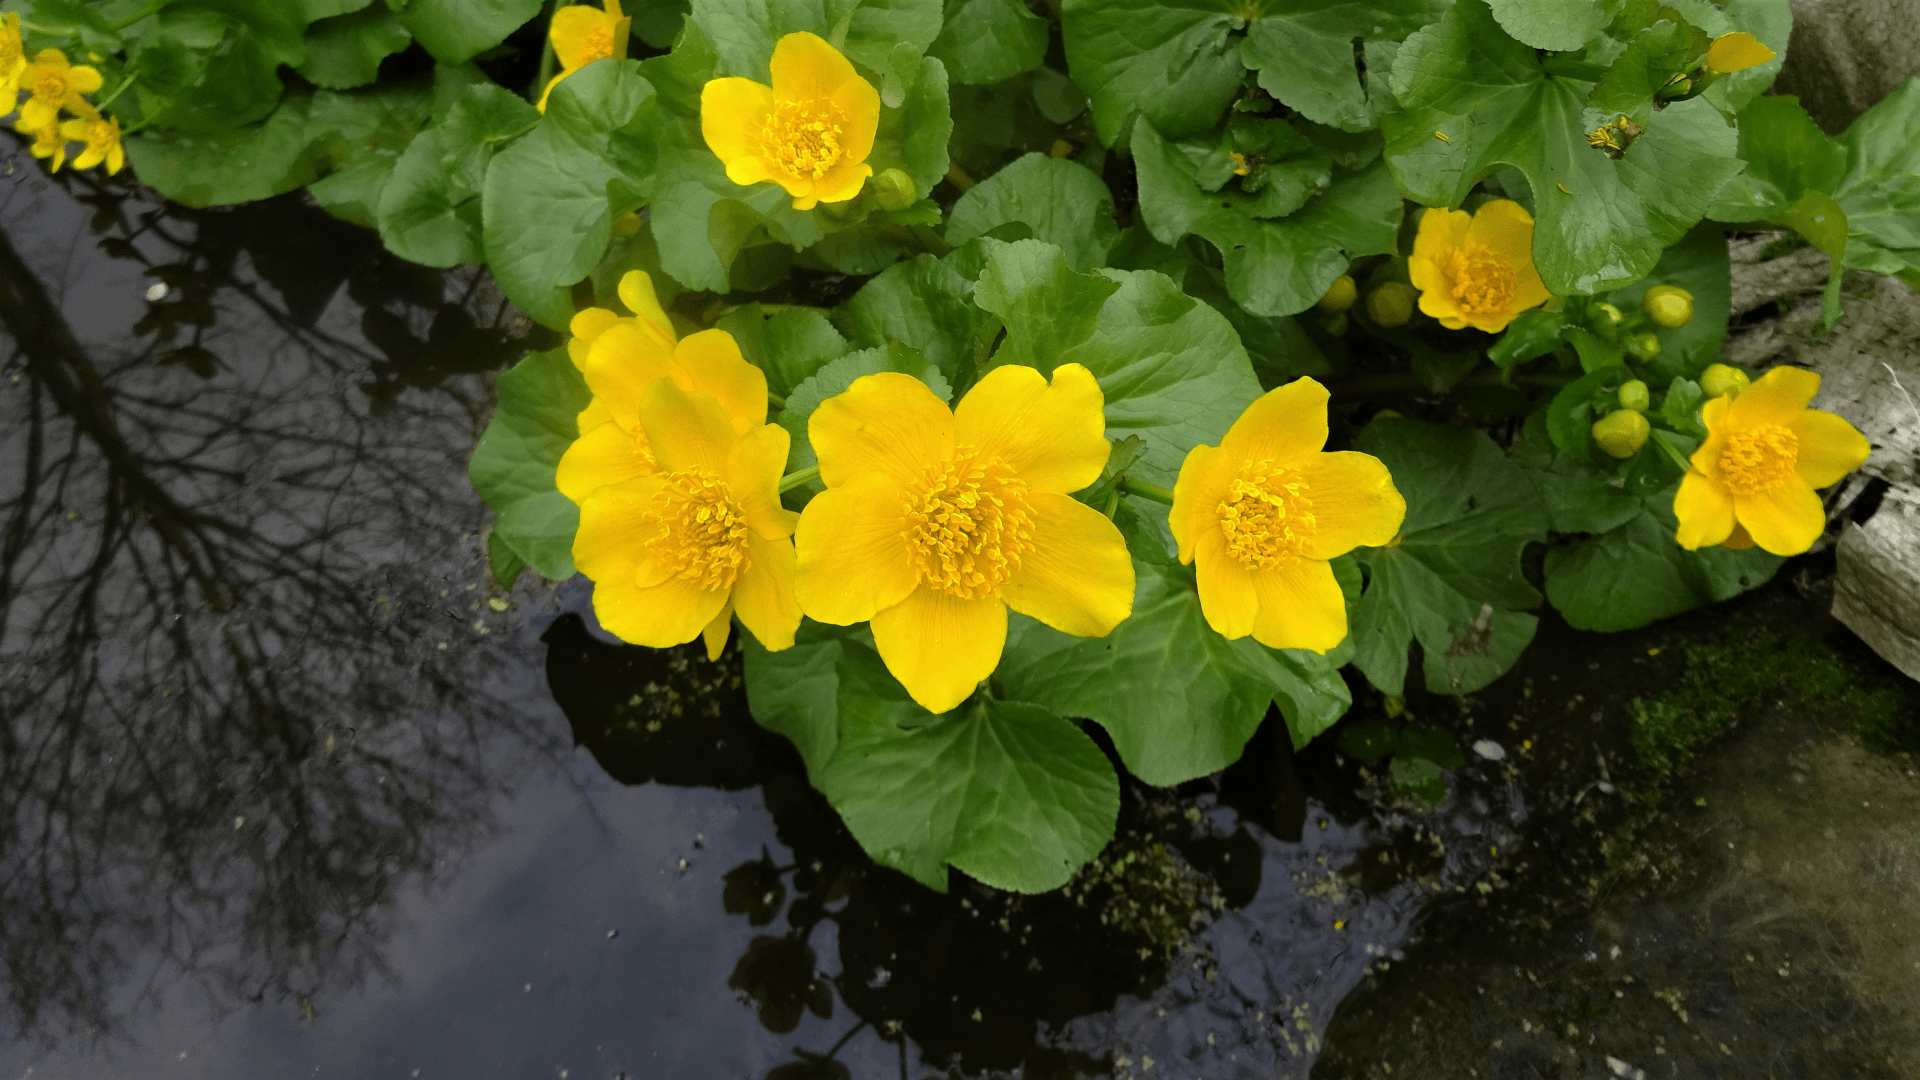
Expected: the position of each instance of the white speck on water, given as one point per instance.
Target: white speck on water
(156, 291)
(1490, 750)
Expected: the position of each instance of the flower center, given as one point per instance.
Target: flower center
(1267, 516)
(697, 532)
(50, 86)
(805, 137)
(597, 45)
(99, 135)
(1759, 460)
(967, 525)
(1483, 283)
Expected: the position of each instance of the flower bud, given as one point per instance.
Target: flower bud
(1722, 379)
(1335, 325)
(1622, 433)
(1610, 313)
(1340, 295)
(627, 224)
(1669, 305)
(1391, 304)
(1633, 395)
(1644, 346)
(895, 189)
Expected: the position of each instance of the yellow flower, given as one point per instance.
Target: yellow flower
(1262, 513)
(1736, 52)
(810, 132)
(626, 356)
(1240, 166)
(13, 58)
(102, 136)
(55, 84)
(935, 522)
(675, 554)
(1476, 269)
(49, 143)
(581, 35)
(1765, 453)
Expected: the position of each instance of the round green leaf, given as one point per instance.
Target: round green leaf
(515, 461)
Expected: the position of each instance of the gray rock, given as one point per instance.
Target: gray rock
(1845, 55)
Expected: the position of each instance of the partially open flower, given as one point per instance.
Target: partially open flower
(810, 132)
(581, 35)
(1476, 269)
(102, 136)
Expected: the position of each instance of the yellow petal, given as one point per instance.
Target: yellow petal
(1737, 52)
(1301, 607)
(753, 476)
(1441, 232)
(1284, 426)
(659, 616)
(852, 553)
(548, 91)
(1705, 511)
(1227, 599)
(763, 594)
(1786, 520)
(889, 423)
(1774, 398)
(636, 291)
(1354, 503)
(610, 543)
(733, 113)
(686, 430)
(1053, 435)
(941, 646)
(859, 105)
(595, 414)
(748, 171)
(806, 68)
(1830, 448)
(842, 182)
(621, 364)
(1205, 476)
(804, 196)
(1706, 459)
(1505, 229)
(580, 35)
(715, 635)
(586, 326)
(605, 455)
(1076, 576)
(709, 362)
(84, 80)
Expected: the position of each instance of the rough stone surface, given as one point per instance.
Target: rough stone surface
(1877, 590)
(1845, 55)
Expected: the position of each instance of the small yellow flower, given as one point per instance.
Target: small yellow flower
(674, 555)
(1261, 514)
(1765, 454)
(102, 136)
(810, 132)
(49, 143)
(13, 59)
(581, 35)
(55, 84)
(624, 358)
(935, 522)
(1736, 52)
(1240, 166)
(1476, 269)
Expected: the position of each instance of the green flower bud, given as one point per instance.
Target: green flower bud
(1669, 305)
(1644, 346)
(1391, 304)
(1622, 433)
(1336, 325)
(1609, 312)
(1341, 295)
(895, 189)
(1722, 379)
(1633, 395)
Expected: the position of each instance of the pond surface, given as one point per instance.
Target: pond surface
(290, 788)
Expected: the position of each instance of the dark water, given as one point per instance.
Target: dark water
(289, 788)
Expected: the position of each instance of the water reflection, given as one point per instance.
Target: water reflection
(243, 678)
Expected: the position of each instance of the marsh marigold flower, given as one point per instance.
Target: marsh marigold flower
(1765, 454)
(55, 84)
(581, 35)
(1261, 514)
(621, 360)
(935, 521)
(674, 554)
(1476, 269)
(1736, 52)
(13, 59)
(102, 136)
(49, 145)
(810, 132)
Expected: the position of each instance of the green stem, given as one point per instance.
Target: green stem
(1673, 455)
(548, 58)
(55, 31)
(794, 480)
(138, 15)
(117, 91)
(775, 401)
(1145, 490)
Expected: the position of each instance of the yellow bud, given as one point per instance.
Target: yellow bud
(1722, 379)
(1633, 395)
(1622, 433)
(1341, 295)
(1669, 305)
(1736, 52)
(1391, 304)
(1060, 148)
(1643, 346)
(1610, 313)
(895, 189)
(626, 224)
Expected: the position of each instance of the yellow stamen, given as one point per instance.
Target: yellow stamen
(804, 136)
(1563, 189)
(1267, 516)
(1759, 459)
(968, 525)
(597, 45)
(695, 530)
(1442, 136)
(1482, 282)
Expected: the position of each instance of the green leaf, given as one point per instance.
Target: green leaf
(514, 463)
(914, 136)
(744, 32)
(1454, 580)
(1171, 367)
(244, 165)
(796, 692)
(429, 212)
(1303, 51)
(1560, 25)
(1416, 777)
(1065, 203)
(1533, 334)
(989, 41)
(503, 562)
(1787, 155)
(789, 346)
(236, 48)
(1600, 223)
(1578, 497)
(1881, 189)
(923, 303)
(1699, 265)
(362, 134)
(1571, 414)
(1651, 60)
(455, 31)
(346, 51)
(1636, 573)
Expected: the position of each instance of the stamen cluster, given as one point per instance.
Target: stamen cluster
(1483, 283)
(968, 524)
(1267, 516)
(697, 532)
(1759, 459)
(804, 136)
